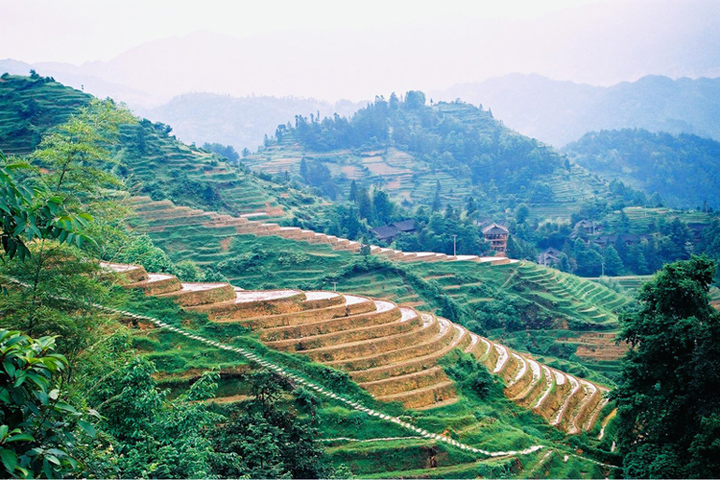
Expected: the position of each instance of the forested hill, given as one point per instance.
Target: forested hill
(684, 169)
(417, 150)
(154, 163)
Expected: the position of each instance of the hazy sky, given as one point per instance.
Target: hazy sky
(145, 51)
(82, 30)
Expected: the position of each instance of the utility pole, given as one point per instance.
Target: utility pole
(334, 286)
(454, 245)
(603, 269)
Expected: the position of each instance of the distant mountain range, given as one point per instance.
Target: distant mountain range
(241, 122)
(559, 112)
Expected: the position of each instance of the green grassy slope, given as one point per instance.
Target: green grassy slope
(370, 446)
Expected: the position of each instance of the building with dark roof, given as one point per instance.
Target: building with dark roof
(497, 236)
(549, 256)
(389, 232)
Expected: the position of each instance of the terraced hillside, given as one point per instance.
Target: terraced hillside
(472, 437)
(640, 218)
(558, 316)
(159, 216)
(454, 145)
(153, 161)
(578, 299)
(29, 107)
(411, 182)
(390, 351)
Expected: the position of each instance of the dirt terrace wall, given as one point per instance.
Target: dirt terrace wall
(348, 336)
(320, 327)
(375, 346)
(412, 365)
(194, 298)
(239, 310)
(415, 350)
(158, 287)
(425, 397)
(414, 381)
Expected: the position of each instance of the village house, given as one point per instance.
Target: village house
(549, 257)
(388, 232)
(497, 236)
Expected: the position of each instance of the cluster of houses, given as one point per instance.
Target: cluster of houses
(496, 235)
(586, 229)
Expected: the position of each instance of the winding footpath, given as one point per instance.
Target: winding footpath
(250, 356)
(258, 360)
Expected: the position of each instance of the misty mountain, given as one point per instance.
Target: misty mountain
(683, 169)
(559, 112)
(240, 122)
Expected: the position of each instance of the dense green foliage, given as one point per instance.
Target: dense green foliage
(225, 151)
(667, 395)
(472, 376)
(26, 216)
(269, 441)
(40, 434)
(682, 169)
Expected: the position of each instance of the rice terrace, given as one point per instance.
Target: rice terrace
(311, 240)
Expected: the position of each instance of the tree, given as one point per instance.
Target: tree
(522, 212)
(267, 440)
(668, 406)
(38, 431)
(365, 208)
(353, 192)
(471, 206)
(382, 205)
(25, 217)
(613, 263)
(437, 203)
(152, 436)
(414, 99)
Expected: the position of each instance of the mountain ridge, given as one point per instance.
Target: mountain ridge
(558, 111)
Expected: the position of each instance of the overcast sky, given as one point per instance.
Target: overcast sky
(145, 51)
(83, 30)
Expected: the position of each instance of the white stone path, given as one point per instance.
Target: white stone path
(324, 392)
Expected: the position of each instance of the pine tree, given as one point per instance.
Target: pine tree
(353, 192)
(437, 204)
(613, 263)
